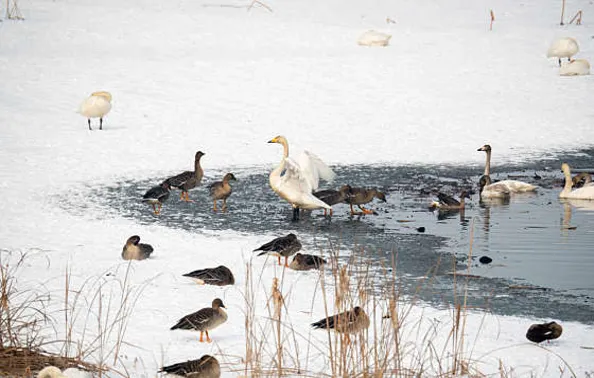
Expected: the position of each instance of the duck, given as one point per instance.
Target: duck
(546, 331)
(347, 322)
(97, 105)
(282, 246)
(448, 202)
(586, 192)
(204, 320)
(575, 67)
(219, 276)
(332, 197)
(563, 48)
(361, 196)
(490, 190)
(157, 195)
(514, 186)
(374, 38)
(296, 180)
(221, 190)
(134, 250)
(189, 179)
(205, 367)
(303, 261)
(581, 179)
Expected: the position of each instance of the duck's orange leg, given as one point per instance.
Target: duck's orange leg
(279, 262)
(154, 209)
(286, 261)
(214, 205)
(366, 211)
(201, 334)
(160, 206)
(208, 340)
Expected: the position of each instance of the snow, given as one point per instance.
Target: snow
(200, 75)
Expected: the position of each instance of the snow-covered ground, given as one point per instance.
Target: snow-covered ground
(212, 76)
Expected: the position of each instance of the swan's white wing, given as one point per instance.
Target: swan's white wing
(295, 187)
(313, 169)
(516, 186)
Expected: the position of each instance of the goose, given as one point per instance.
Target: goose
(295, 181)
(361, 196)
(332, 197)
(283, 246)
(575, 67)
(157, 195)
(97, 105)
(303, 261)
(582, 179)
(563, 48)
(204, 320)
(221, 190)
(586, 192)
(134, 250)
(489, 190)
(514, 186)
(546, 331)
(189, 179)
(448, 202)
(219, 276)
(374, 38)
(347, 322)
(204, 367)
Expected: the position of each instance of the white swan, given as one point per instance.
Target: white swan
(575, 67)
(563, 48)
(514, 186)
(585, 192)
(374, 38)
(491, 191)
(97, 105)
(295, 181)
(54, 372)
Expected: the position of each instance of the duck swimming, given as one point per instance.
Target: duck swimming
(204, 320)
(585, 193)
(188, 180)
(448, 202)
(296, 180)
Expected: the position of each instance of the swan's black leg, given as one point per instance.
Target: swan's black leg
(100, 123)
(559, 62)
(295, 214)
(89, 121)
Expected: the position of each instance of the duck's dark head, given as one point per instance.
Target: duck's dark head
(133, 240)
(486, 148)
(380, 195)
(465, 194)
(292, 236)
(484, 181)
(199, 154)
(229, 176)
(357, 310)
(218, 303)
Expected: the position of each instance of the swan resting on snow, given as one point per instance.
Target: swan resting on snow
(575, 67)
(295, 180)
(54, 372)
(585, 192)
(563, 48)
(97, 105)
(514, 186)
(374, 38)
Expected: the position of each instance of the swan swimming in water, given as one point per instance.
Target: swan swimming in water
(496, 190)
(296, 180)
(514, 186)
(97, 105)
(563, 48)
(586, 192)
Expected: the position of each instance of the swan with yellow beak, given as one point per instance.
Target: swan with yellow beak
(296, 180)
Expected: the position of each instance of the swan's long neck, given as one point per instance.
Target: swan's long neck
(568, 182)
(281, 167)
(488, 164)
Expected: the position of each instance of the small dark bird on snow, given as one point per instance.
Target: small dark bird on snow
(134, 250)
(284, 246)
(303, 261)
(204, 367)
(204, 320)
(219, 276)
(156, 196)
(546, 331)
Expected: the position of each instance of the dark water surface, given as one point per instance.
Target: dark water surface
(543, 260)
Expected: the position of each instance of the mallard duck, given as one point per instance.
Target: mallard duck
(284, 246)
(332, 197)
(204, 320)
(489, 190)
(219, 276)
(563, 48)
(134, 250)
(157, 195)
(189, 179)
(348, 322)
(448, 202)
(581, 179)
(204, 367)
(514, 186)
(374, 38)
(221, 190)
(361, 196)
(546, 331)
(575, 67)
(303, 261)
(97, 105)
(295, 181)
(586, 192)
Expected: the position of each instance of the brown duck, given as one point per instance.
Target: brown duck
(204, 367)
(332, 197)
(219, 276)
(221, 190)
(303, 261)
(361, 196)
(283, 246)
(134, 250)
(546, 331)
(204, 320)
(189, 179)
(348, 322)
